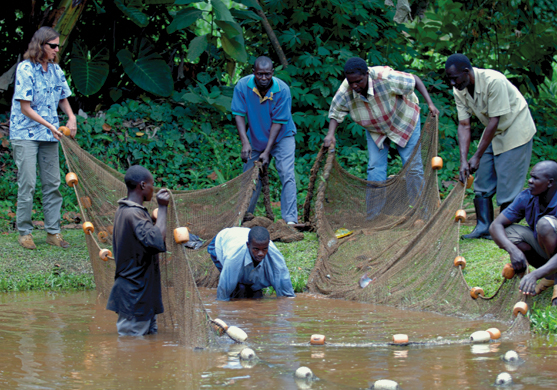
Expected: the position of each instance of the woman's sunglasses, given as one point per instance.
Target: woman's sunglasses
(52, 45)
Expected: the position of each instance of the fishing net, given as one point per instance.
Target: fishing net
(403, 243)
(203, 212)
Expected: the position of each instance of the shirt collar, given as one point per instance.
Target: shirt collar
(129, 203)
(39, 66)
(274, 89)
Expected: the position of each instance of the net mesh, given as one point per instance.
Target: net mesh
(203, 212)
(404, 240)
(403, 243)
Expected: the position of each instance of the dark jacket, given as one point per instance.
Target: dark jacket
(137, 282)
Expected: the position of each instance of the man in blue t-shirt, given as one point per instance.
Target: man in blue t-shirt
(535, 244)
(267, 104)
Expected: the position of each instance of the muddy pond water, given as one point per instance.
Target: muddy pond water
(69, 341)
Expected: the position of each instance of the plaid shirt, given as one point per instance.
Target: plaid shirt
(390, 109)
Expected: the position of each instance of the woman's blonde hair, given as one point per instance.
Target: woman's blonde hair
(35, 51)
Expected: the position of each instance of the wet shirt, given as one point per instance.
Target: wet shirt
(262, 111)
(389, 110)
(137, 282)
(527, 206)
(238, 267)
(44, 89)
(495, 95)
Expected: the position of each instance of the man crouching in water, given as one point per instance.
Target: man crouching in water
(535, 244)
(248, 261)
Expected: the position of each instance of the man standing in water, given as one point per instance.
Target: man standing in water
(267, 104)
(502, 158)
(248, 261)
(136, 294)
(535, 244)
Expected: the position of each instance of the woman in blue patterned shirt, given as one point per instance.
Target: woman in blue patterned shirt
(40, 87)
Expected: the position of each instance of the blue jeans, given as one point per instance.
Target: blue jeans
(377, 170)
(283, 152)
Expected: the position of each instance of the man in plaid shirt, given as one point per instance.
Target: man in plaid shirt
(383, 101)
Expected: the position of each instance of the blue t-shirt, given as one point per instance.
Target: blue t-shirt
(44, 89)
(527, 206)
(275, 108)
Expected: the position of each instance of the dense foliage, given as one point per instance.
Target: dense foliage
(155, 77)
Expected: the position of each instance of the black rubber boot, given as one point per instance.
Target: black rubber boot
(504, 206)
(484, 217)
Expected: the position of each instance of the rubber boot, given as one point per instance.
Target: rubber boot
(504, 206)
(484, 217)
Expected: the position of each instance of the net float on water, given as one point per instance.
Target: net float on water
(503, 379)
(508, 271)
(494, 333)
(385, 384)
(181, 235)
(105, 254)
(436, 163)
(247, 354)
(460, 216)
(317, 339)
(65, 130)
(511, 357)
(520, 307)
(88, 228)
(236, 334)
(303, 373)
(220, 326)
(71, 179)
(480, 336)
(400, 339)
(460, 261)
(103, 236)
(86, 202)
(475, 292)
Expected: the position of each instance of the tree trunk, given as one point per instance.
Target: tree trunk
(272, 37)
(64, 18)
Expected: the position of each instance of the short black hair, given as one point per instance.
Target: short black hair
(258, 234)
(459, 61)
(550, 168)
(355, 65)
(263, 60)
(135, 175)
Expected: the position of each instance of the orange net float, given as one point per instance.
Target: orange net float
(317, 339)
(103, 236)
(110, 229)
(469, 182)
(400, 339)
(508, 271)
(71, 179)
(181, 235)
(460, 261)
(460, 216)
(476, 292)
(65, 130)
(105, 254)
(436, 163)
(520, 307)
(220, 326)
(494, 333)
(86, 202)
(88, 228)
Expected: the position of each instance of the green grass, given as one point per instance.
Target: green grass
(46, 268)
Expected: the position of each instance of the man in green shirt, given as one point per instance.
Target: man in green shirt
(502, 158)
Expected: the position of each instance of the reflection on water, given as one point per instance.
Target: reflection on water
(69, 341)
